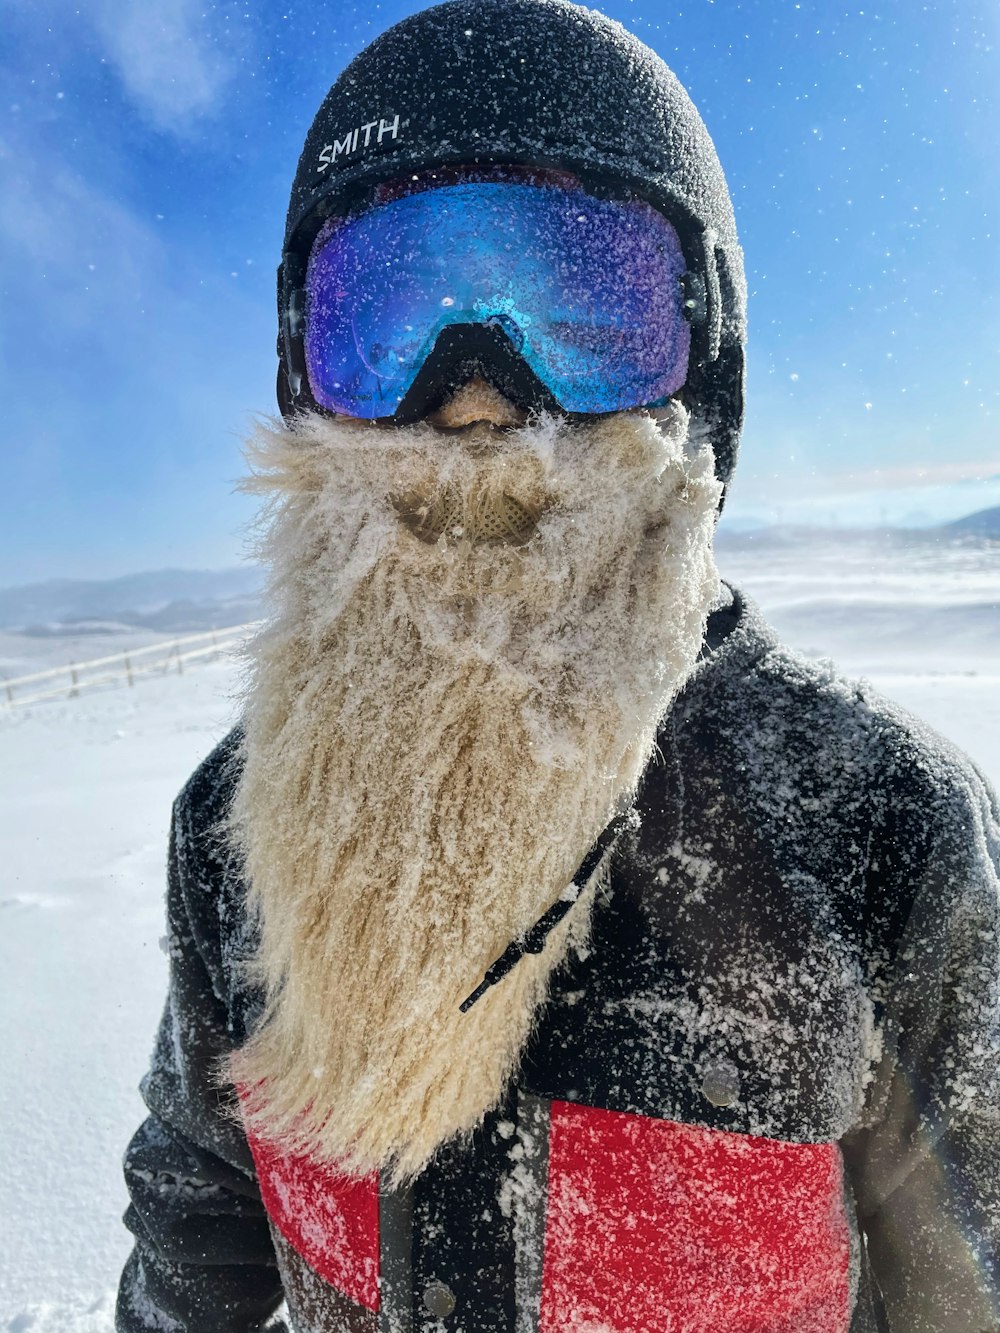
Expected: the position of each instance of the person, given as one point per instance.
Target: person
(550, 948)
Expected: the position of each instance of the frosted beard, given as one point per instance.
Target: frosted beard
(472, 640)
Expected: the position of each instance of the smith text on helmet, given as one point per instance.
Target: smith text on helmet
(363, 137)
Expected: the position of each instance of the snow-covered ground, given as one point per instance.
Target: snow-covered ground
(86, 787)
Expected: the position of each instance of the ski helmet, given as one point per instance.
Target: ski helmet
(533, 83)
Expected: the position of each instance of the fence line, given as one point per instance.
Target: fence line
(133, 652)
(163, 657)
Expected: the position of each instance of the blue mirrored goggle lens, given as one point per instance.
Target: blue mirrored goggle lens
(588, 290)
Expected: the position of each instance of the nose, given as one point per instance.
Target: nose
(476, 400)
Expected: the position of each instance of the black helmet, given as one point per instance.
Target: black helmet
(537, 83)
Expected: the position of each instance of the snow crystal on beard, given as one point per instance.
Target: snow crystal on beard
(472, 641)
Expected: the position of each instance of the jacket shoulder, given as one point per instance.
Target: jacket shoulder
(203, 802)
(841, 783)
(837, 765)
(206, 875)
(843, 732)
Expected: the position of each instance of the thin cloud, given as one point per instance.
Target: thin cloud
(909, 495)
(801, 480)
(173, 65)
(913, 476)
(85, 259)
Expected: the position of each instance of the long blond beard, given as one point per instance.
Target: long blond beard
(471, 644)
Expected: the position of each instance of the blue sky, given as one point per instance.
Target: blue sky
(146, 152)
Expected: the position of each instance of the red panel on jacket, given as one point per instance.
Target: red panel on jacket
(657, 1227)
(330, 1219)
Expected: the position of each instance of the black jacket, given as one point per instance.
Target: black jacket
(793, 978)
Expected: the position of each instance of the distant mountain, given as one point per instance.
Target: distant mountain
(801, 534)
(983, 523)
(174, 600)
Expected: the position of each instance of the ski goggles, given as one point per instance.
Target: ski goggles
(584, 295)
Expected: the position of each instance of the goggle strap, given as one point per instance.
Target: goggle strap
(709, 241)
(291, 343)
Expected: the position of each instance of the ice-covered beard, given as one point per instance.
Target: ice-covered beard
(472, 639)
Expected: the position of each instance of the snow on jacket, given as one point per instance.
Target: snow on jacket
(765, 1099)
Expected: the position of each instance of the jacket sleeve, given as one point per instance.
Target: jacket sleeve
(926, 1172)
(203, 1260)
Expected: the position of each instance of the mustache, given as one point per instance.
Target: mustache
(486, 515)
(488, 504)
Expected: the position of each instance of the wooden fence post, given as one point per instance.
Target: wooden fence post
(74, 693)
(128, 672)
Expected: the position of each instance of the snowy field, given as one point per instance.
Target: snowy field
(86, 788)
